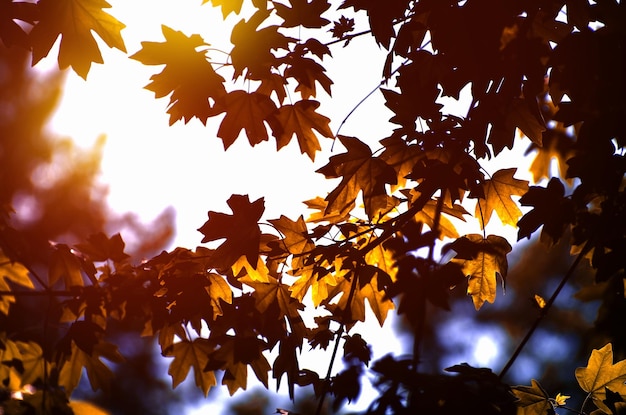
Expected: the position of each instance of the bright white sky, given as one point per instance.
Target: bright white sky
(150, 166)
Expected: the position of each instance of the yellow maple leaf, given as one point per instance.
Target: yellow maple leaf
(379, 303)
(600, 373)
(260, 274)
(16, 273)
(360, 173)
(66, 266)
(561, 399)
(482, 259)
(498, 191)
(533, 399)
(219, 289)
(188, 354)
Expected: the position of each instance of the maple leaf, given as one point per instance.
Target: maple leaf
(401, 156)
(301, 119)
(445, 228)
(524, 114)
(601, 373)
(244, 111)
(556, 145)
(218, 289)
(15, 273)
(303, 13)
(276, 294)
(551, 209)
(188, 76)
(483, 259)
(240, 230)
(74, 20)
(498, 191)
(191, 354)
(360, 172)
(313, 46)
(9, 374)
(379, 302)
(306, 72)
(228, 6)
(315, 278)
(32, 362)
(319, 204)
(98, 373)
(100, 248)
(342, 26)
(381, 16)
(273, 83)
(11, 33)
(252, 48)
(65, 265)
(533, 399)
(295, 239)
(234, 355)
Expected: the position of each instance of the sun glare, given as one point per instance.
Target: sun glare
(149, 165)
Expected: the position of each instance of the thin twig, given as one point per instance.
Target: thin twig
(544, 311)
(339, 333)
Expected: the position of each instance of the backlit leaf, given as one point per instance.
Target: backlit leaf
(65, 266)
(360, 172)
(12, 33)
(240, 230)
(301, 119)
(533, 399)
(307, 72)
(228, 6)
(244, 111)
(498, 191)
(379, 302)
(218, 290)
(601, 373)
(252, 54)
(295, 239)
(188, 76)
(32, 361)
(75, 20)
(483, 260)
(15, 273)
(191, 354)
(303, 13)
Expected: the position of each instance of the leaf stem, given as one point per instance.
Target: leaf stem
(544, 310)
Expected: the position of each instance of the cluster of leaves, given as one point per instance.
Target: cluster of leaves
(221, 307)
(602, 380)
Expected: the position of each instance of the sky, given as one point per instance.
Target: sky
(150, 166)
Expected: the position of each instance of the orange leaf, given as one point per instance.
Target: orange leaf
(360, 172)
(301, 119)
(75, 20)
(187, 75)
(64, 265)
(244, 111)
(295, 238)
